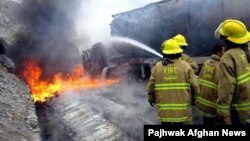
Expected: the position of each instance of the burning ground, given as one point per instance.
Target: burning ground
(48, 88)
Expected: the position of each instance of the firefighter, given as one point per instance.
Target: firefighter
(233, 104)
(208, 81)
(171, 85)
(183, 44)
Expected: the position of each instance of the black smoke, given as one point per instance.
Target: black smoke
(47, 36)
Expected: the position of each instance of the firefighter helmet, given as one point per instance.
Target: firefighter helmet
(180, 40)
(171, 47)
(234, 31)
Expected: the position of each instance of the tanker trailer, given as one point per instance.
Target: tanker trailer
(195, 19)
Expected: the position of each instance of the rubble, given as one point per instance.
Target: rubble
(18, 120)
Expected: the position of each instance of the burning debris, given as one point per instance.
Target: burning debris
(47, 88)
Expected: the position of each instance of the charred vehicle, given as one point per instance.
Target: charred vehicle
(156, 22)
(118, 60)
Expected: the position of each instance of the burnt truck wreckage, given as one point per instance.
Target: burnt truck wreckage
(156, 22)
(117, 60)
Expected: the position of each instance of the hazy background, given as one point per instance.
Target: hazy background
(94, 17)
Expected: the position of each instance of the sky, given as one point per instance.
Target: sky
(18, 1)
(94, 16)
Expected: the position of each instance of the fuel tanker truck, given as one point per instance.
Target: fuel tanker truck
(156, 22)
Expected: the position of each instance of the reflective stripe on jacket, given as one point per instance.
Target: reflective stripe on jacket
(172, 85)
(208, 82)
(234, 84)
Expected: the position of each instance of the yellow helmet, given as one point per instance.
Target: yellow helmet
(181, 40)
(171, 47)
(235, 31)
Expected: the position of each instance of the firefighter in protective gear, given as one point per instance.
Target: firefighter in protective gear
(208, 81)
(233, 104)
(183, 44)
(171, 85)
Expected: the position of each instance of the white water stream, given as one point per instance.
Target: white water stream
(135, 43)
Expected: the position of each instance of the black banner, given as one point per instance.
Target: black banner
(195, 132)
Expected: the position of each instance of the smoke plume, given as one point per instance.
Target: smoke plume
(47, 35)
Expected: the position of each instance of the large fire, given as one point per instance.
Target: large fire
(44, 89)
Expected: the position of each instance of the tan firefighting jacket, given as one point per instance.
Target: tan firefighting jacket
(208, 82)
(190, 61)
(171, 86)
(234, 85)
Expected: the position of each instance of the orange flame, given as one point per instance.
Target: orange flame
(44, 89)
